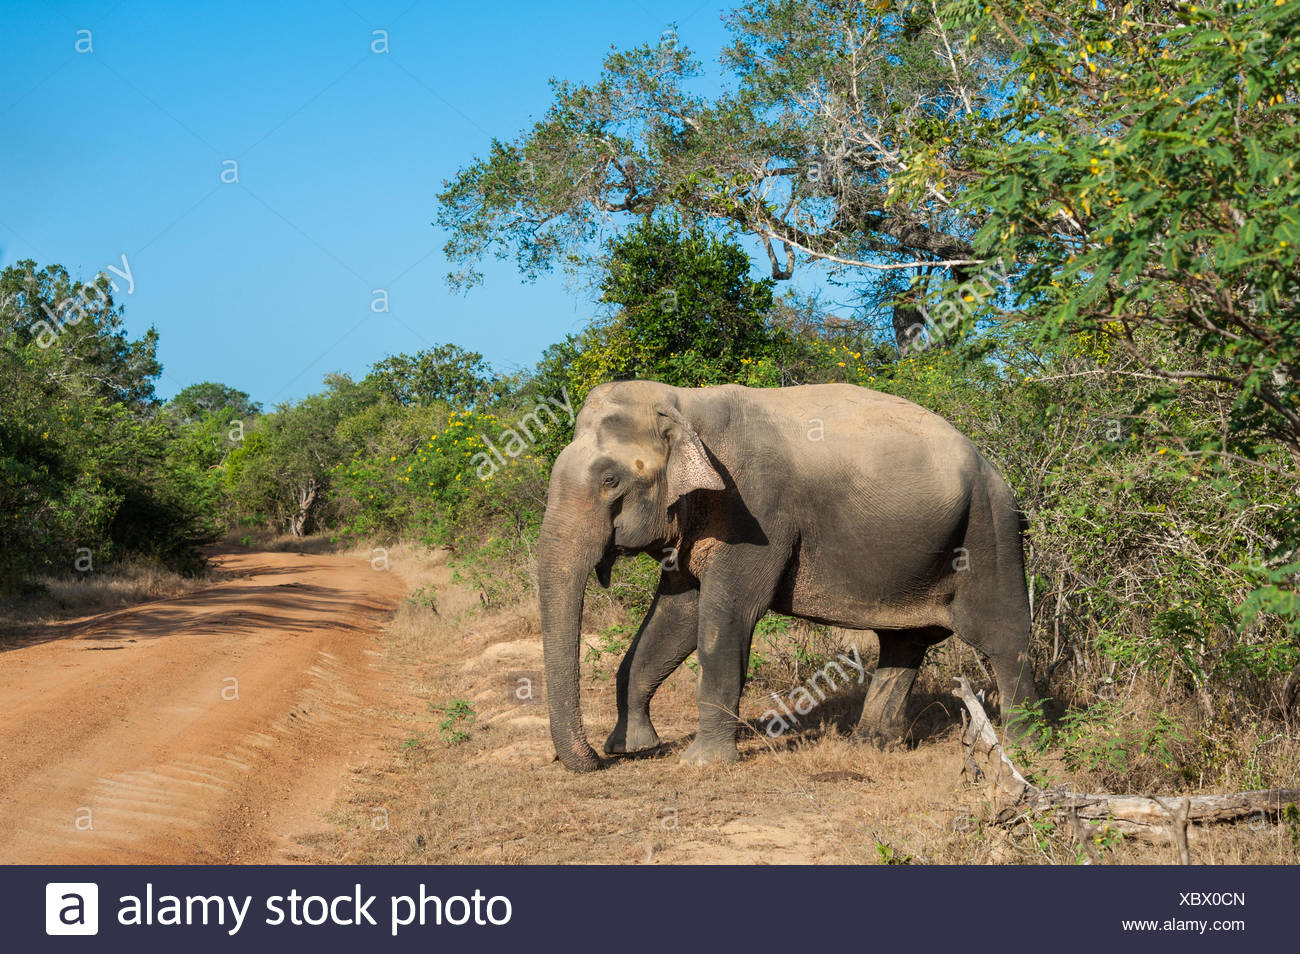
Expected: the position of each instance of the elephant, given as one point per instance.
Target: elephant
(830, 502)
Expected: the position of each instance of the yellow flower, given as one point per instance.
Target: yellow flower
(840, 363)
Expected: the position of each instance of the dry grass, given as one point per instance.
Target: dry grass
(129, 581)
(132, 580)
(276, 541)
(487, 789)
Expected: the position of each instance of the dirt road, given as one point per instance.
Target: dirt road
(211, 728)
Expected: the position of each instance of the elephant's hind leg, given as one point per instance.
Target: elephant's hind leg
(884, 713)
(667, 636)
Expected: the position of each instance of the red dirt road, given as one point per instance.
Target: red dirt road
(211, 728)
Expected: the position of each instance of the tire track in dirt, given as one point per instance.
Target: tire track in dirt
(214, 727)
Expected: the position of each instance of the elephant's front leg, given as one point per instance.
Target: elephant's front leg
(667, 636)
(727, 618)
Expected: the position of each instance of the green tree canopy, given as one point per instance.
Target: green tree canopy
(282, 470)
(802, 153)
(1145, 190)
(74, 332)
(683, 309)
(209, 397)
(446, 373)
(85, 463)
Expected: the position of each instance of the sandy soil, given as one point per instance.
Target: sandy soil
(216, 727)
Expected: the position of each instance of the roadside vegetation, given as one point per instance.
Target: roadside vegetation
(1071, 231)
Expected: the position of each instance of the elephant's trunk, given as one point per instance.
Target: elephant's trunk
(574, 538)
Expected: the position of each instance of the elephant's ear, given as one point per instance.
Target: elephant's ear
(688, 467)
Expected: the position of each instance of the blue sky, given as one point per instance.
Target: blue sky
(266, 284)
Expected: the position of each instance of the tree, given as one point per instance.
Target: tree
(446, 373)
(1146, 185)
(209, 397)
(683, 310)
(74, 331)
(85, 465)
(1144, 198)
(283, 469)
(687, 311)
(803, 154)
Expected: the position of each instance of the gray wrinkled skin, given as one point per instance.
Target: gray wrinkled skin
(832, 503)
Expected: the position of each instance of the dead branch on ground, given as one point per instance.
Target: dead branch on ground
(1145, 817)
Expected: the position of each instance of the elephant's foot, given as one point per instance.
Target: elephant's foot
(882, 739)
(703, 751)
(883, 723)
(625, 740)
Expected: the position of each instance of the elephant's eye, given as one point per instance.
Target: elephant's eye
(610, 480)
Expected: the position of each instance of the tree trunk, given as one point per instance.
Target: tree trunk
(909, 326)
(304, 501)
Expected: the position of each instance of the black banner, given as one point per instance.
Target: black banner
(645, 908)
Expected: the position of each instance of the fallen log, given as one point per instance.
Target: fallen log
(1140, 815)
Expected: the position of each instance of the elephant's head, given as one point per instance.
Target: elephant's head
(634, 455)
